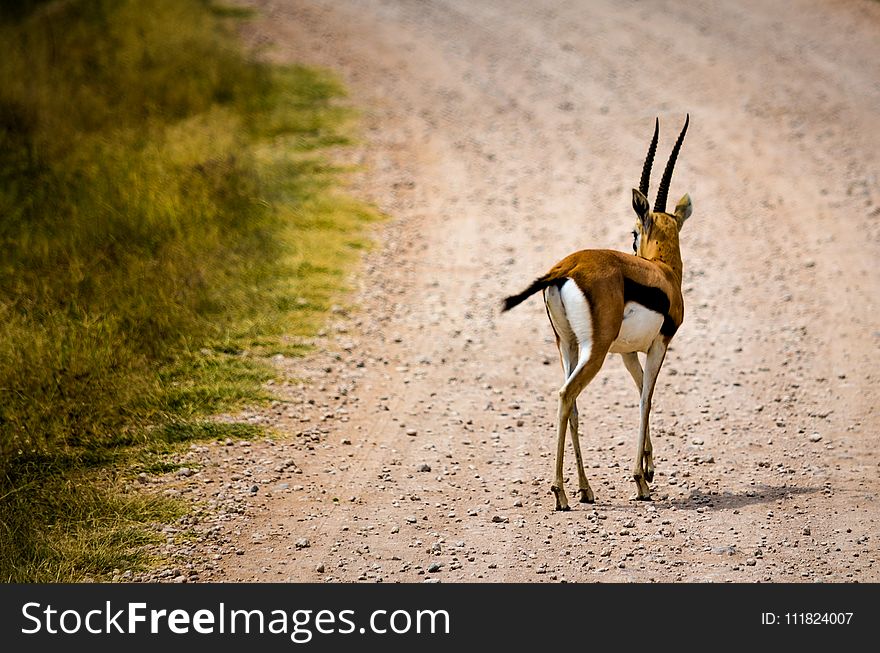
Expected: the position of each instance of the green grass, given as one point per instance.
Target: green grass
(168, 222)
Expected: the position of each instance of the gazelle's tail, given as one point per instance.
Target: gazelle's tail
(539, 284)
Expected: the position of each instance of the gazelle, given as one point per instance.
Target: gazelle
(601, 301)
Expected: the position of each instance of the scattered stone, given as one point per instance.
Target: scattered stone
(395, 530)
(724, 550)
(424, 467)
(434, 567)
(629, 523)
(346, 441)
(498, 519)
(518, 503)
(303, 543)
(815, 437)
(750, 562)
(320, 568)
(412, 432)
(184, 471)
(806, 530)
(254, 489)
(697, 441)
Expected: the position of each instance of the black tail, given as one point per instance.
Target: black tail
(538, 284)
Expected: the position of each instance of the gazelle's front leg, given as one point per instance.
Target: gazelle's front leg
(653, 363)
(634, 367)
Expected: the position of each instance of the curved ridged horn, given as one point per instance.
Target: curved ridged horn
(649, 161)
(660, 204)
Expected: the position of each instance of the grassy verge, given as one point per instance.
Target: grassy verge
(167, 222)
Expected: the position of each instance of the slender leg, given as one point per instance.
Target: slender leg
(584, 490)
(653, 363)
(568, 350)
(558, 486)
(634, 367)
(588, 366)
(573, 321)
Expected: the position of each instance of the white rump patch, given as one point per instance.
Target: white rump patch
(570, 313)
(577, 309)
(639, 329)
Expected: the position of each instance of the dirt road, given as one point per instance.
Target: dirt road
(501, 136)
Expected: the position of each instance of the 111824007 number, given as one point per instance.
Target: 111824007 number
(811, 618)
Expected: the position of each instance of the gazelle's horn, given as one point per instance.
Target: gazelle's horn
(649, 161)
(660, 204)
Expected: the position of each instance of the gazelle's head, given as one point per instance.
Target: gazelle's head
(655, 236)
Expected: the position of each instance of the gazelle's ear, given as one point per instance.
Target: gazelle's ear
(642, 208)
(683, 210)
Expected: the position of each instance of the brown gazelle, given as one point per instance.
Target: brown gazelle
(601, 301)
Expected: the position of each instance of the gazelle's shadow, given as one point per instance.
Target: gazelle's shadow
(730, 500)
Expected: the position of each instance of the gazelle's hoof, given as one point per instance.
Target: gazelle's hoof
(561, 499)
(648, 466)
(643, 492)
(587, 496)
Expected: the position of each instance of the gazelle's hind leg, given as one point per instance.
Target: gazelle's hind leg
(585, 492)
(653, 363)
(569, 313)
(566, 342)
(632, 364)
(587, 367)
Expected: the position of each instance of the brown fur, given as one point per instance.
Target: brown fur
(600, 273)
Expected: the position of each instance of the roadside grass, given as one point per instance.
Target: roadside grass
(168, 223)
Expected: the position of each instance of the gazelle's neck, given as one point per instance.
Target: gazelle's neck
(669, 260)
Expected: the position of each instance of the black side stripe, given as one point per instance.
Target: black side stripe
(653, 299)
